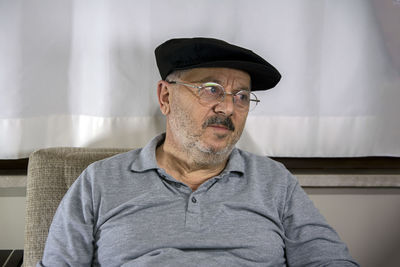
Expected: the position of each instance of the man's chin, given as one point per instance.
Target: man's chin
(216, 149)
(207, 156)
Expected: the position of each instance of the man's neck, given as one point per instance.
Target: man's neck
(184, 168)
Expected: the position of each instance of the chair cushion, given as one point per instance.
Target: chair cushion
(50, 173)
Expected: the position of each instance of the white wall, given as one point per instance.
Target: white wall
(367, 220)
(12, 222)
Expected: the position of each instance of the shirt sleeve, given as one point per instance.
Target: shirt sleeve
(309, 240)
(70, 238)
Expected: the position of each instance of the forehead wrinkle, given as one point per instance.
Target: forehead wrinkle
(208, 79)
(239, 88)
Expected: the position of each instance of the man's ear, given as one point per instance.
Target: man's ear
(163, 96)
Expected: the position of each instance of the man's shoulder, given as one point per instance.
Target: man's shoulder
(265, 168)
(114, 164)
(120, 159)
(261, 161)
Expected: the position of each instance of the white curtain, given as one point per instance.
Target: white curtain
(83, 73)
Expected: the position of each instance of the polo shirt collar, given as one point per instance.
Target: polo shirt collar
(147, 155)
(235, 162)
(147, 158)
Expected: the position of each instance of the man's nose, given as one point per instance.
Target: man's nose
(226, 106)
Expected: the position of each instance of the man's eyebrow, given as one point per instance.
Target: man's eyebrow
(208, 79)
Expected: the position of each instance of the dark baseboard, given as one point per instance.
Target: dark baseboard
(296, 165)
(11, 258)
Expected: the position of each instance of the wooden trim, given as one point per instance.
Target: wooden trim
(14, 166)
(298, 165)
(341, 163)
(11, 258)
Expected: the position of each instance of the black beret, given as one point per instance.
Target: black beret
(189, 53)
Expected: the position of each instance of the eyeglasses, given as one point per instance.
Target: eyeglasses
(212, 93)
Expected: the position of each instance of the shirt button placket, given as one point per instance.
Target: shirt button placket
(193, 213)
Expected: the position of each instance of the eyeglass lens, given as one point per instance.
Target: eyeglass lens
(214, 93)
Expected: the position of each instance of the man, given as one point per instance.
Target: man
(190, 198)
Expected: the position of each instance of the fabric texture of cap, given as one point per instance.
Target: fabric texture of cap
(199, 52)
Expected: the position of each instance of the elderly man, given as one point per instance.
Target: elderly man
(189, 197)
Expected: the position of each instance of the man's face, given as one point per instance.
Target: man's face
(210, 129)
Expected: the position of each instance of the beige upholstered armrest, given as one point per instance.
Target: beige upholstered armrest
(50, 173)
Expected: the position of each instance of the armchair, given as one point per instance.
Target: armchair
(50, 173)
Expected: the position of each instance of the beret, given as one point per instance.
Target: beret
(200, 52)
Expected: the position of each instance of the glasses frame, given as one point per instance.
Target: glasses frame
(201, 87)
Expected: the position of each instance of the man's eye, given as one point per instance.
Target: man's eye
(243, 97)
(213, 90)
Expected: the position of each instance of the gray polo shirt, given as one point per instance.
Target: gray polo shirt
(126, 211)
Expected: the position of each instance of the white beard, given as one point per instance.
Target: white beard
(189, 142)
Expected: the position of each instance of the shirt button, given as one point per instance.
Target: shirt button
(177, 185)
(194, 200)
